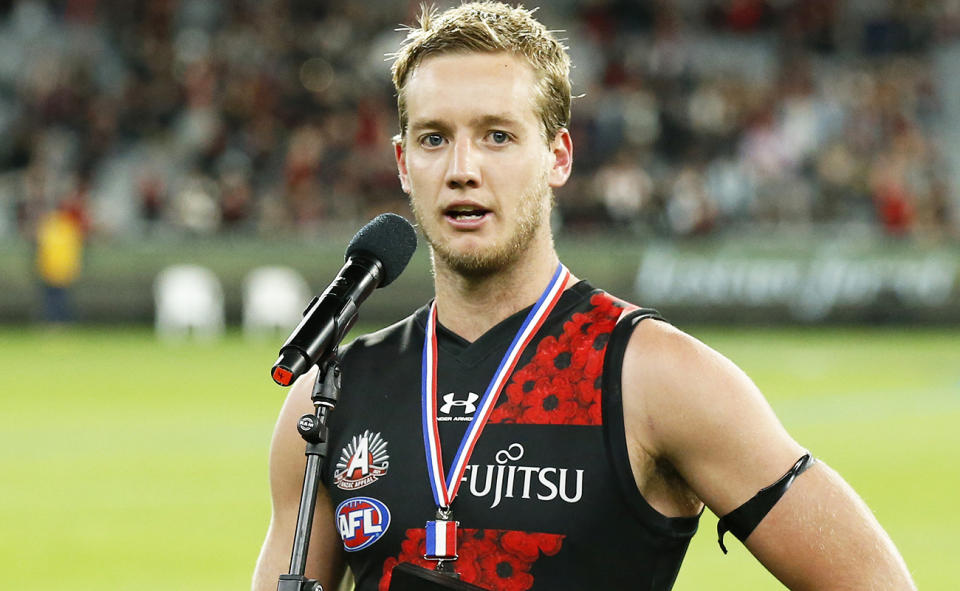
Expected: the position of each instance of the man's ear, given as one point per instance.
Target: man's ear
(401, 156)
(561, 149)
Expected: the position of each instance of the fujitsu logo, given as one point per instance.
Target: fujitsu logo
(504, 481)
(362, 461)
(466, 407)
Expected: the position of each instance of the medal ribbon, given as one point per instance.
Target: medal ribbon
(445, 490)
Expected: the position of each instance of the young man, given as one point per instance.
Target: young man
(574, 438)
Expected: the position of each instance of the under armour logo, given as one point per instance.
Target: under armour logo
(468, 405)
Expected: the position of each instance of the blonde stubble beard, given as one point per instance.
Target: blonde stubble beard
(480, 264)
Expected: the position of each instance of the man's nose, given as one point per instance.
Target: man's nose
(463, 170)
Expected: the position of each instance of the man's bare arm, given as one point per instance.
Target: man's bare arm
(689, 405)
(287, 461)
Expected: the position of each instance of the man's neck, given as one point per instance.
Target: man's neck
(470, 306)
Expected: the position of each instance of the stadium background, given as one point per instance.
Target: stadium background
(781, 178)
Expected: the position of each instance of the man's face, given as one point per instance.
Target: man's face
(474, 160)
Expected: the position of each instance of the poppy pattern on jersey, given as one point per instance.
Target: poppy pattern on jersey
(499, 560)
(560, 385)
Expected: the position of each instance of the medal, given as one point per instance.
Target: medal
(442, 537)
(442, 531)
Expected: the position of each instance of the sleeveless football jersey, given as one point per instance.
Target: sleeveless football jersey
(548, 500)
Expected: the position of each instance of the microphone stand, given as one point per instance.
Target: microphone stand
(313, 428)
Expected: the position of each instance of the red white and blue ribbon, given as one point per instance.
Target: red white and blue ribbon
(445, 490)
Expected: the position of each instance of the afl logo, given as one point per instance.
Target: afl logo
(361, 521)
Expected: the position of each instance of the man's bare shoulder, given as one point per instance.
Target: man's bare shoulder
(659, 345)
(688, 405)
(666, 368)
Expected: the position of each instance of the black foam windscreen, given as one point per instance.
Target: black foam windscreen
(388, 238)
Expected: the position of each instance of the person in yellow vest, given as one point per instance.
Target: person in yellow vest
(59, 260)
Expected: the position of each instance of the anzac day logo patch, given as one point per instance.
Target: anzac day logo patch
(362, 461)
(361, 521)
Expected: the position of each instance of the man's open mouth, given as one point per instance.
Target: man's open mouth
(466, 212)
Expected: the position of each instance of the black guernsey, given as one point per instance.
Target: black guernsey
(548, 500)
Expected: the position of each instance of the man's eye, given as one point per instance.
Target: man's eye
(432, 140)
(499, 137)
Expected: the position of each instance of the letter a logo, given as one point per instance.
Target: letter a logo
(362, 461)
(359, 465)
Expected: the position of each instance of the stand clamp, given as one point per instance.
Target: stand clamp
(297, 583)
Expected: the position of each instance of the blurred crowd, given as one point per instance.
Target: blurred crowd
(266, 117)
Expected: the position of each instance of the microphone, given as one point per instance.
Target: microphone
(375, 257)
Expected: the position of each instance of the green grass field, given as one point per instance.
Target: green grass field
(130, 464)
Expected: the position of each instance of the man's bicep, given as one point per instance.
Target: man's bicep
(695, 409)
(822, 535)
(691, 407)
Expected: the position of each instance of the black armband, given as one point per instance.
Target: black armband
(742, 520)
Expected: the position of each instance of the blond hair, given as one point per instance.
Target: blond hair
(490, 27)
